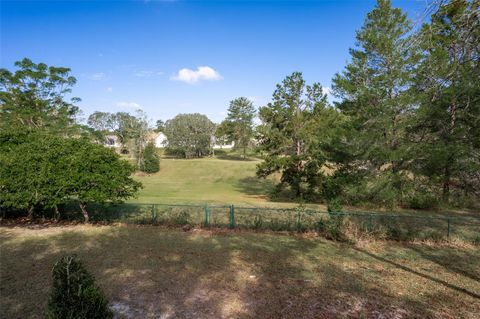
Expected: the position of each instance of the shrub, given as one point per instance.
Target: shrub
(334, 227)
(74, 294)
(334, 205)
(151, 161)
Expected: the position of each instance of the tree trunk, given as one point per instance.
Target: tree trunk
(84, 212)
(446, 183)
(30, 212)
(57, 213)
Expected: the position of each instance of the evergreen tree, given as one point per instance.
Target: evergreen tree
(287, 134)
(447, 129)
(151, 161)
(238, 126)
(374, 91)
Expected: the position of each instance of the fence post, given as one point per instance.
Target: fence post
(232, 217)
(154, 213)
(207, 215)
(449, 227)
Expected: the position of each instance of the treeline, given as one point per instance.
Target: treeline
(405, 127)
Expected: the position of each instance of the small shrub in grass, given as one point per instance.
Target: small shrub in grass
(334, 228)
(151, 161)
(74, 294)
(334, 205)
(257, 222)
(181, 218)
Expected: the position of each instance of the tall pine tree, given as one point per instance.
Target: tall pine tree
(374, 92)
(448, 88)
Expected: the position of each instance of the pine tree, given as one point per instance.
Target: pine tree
(238, 126)
(374, 92)
(447, 84)
(287, 133)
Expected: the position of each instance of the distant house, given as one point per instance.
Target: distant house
(160, 140)
(219, 144)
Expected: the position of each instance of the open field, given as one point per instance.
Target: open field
(151, 272)
(223, 179)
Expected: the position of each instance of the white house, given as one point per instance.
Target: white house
(160, 140)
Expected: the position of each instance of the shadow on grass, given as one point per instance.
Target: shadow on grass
(234, 156)
(417, 273)
(152, 272)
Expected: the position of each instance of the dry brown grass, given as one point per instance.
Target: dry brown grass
(149, 272)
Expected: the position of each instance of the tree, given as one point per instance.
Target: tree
(33, 172)
(447, 127)
(97, 174)
(130, 129)
(102, 121)
(74, 292)
(159, 126)
(151, 161)
(189, 135)
(375, 95)
(238, 126)
(40, 169)
(286, 134)
(33, 97)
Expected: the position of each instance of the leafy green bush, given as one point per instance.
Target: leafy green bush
(335, 227)
(151, 161)
(74, 294)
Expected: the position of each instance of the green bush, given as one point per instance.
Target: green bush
(74, 294)
(151, 161)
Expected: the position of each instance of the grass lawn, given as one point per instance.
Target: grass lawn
(149, 272)
(221, 180)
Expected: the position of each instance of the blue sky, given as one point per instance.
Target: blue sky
(170, 57)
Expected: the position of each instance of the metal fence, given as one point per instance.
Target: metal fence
(389, 226)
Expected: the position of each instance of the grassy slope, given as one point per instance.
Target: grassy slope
(147, 271)
(206, 180)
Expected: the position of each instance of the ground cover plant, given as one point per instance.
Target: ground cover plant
(148, 272)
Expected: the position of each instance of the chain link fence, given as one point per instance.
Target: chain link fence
(380, 225)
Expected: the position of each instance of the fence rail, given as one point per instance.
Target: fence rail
(390, 226)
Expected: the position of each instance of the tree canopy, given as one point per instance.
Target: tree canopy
(189, 135)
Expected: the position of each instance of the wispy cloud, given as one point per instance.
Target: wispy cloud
(128, 105)
(202, 73)
(109, 89)
(147, 73)
(98, 76)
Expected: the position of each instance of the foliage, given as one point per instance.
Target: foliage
(374, 92)
(447, 128)
(151, 161)
(74, 293)
(238, 125)
(286, 135)
(40, 169)
(159, 126)
(33, 97)
(189, 135)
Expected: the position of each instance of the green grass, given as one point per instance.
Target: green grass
(224, 179)
(149, 272)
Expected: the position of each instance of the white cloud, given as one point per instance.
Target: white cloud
(98, 76)
(202, 73)
(147, 73)
(129, 105)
